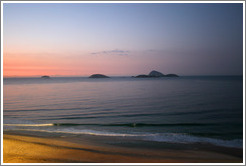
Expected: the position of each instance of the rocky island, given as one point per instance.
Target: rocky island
(155, 74)
(45, 77)
(99, 76)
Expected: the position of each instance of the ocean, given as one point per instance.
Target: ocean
(182, 110)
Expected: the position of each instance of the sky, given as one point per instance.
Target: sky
(122, 39)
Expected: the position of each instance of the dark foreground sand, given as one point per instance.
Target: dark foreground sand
(31, 149)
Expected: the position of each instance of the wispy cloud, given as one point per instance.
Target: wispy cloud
(112, 52)
(151, 50)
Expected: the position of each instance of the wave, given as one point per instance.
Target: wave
(181, 138)
(187, 138)
(29, 125)
(115, 124)
(184, 138)
(87, 132)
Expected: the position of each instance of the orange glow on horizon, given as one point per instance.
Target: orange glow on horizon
(29, 65)
(24, 65)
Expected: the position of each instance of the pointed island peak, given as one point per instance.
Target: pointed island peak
(155, 73)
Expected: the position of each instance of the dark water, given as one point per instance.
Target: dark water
(206, 109)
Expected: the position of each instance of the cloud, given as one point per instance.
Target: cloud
(112, 52)
(151, 50)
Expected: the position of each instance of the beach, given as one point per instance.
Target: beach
(32, 149)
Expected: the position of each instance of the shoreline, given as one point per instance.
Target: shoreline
(24, 148)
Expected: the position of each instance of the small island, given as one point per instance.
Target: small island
(99, 76)
(45, 77)
(155, 74)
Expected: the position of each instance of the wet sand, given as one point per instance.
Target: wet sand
(33, 149)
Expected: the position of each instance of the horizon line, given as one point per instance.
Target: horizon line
(37, 76)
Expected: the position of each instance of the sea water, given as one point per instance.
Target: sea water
(187, 109)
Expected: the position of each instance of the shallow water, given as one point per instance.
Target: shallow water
(206, 109)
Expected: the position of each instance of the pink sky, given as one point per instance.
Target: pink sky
(31, 64)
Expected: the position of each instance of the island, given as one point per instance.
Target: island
(156, 74)
(45, 77)
(171, 75)
(142, 76)
(99, 76)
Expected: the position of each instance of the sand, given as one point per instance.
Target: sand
(31, 149)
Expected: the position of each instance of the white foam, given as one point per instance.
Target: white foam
(90, 132)
(157, 137)
(36, 125)
(186, 139)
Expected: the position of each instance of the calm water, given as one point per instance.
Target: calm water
(173, 110)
